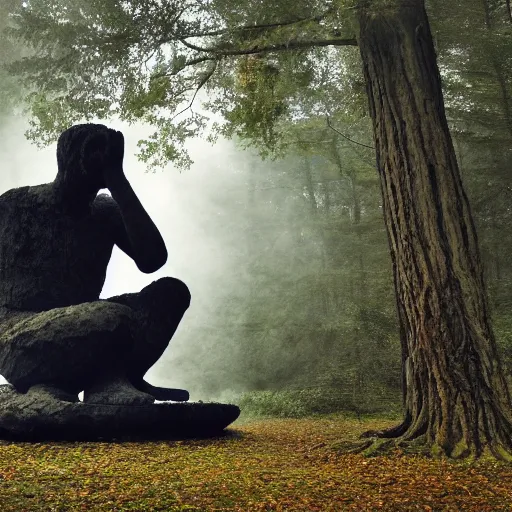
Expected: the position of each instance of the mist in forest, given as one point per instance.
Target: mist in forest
(286, 261)
(190, 209)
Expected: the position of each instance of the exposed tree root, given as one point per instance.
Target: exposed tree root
(389, 433)
(411, 439)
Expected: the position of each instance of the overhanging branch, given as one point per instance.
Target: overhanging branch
(345, 137)
(293, 44)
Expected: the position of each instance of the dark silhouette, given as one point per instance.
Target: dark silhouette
(56, 239)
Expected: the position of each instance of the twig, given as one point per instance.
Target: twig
(345, 137)
(205, 79)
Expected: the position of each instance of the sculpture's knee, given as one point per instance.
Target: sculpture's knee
(66, 346)
(107, 315)
(171, 291)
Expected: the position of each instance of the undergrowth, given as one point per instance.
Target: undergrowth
(300, 403)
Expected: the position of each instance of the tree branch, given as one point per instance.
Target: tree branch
(188, 63)
(345, 137)
(280, 47)
(198, 60)
(203, 81)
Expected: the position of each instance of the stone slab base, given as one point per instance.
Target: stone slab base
(39, 417)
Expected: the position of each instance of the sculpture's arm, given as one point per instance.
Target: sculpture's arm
(133, 230)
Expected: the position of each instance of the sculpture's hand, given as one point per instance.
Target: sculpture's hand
(138, 235)
(94, 152)
(116, 143)
(113, 165)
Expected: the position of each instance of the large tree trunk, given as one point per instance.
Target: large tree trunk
(455, 395)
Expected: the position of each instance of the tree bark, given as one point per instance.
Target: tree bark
(455, 394)
(509, 10)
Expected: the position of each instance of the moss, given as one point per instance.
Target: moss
(461, 450)
(379, 447)
(502, 453)
(436, 451)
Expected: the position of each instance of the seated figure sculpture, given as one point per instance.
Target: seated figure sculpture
(56, 239)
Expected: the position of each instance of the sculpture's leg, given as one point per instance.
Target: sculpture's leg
(158, 310)
(70, 349)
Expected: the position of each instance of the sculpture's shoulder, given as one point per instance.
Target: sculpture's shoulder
(24, 196)
(22, 210)
(14, 196)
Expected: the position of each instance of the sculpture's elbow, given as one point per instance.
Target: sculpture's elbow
(150, 265)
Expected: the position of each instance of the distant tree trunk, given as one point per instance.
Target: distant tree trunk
(327, 197)
(499, 72)
(456, 397)
(355, 210)
(356, 202)
(309, 184)
(509, 10)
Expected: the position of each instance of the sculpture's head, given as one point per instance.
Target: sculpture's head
(81, 154)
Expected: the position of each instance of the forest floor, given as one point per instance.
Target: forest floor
(271, 464)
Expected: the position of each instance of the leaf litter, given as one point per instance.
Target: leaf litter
(263, 465)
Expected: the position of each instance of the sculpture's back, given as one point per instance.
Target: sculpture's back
(47, 258)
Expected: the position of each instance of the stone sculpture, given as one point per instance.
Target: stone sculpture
(57, 337)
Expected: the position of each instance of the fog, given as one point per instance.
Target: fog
(189, 208)
(288, 290)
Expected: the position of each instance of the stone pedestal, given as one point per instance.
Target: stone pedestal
(37, 416)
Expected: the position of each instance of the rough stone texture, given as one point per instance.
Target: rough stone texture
(63, 345)
(37, 416)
